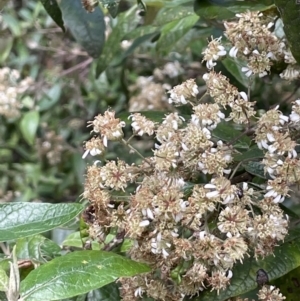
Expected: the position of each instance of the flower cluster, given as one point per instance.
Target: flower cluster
(213, 52)
(170, 228)
(185, 209)
(266, 293)
(253, 41)
(280, 160)
(226, 95)
(270, 293)
(11, 87)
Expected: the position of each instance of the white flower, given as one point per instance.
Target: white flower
(93, 152)
(244, 96)
(248, 72)
(212, 53)
(233, 51)
(144, 223)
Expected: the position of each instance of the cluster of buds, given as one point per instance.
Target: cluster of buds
(184, 209)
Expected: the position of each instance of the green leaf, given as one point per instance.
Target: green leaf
(126, 22)
(286, 258)
(54, 12)
(173, 32)
(255, 168)
(207, 10)
(167, 15)
(289, 285)
(234, 66)
(253, 153)
(109, 292)
(50, 250)
(33, 248)
(24, 219)
(77, 273)
(28, 126)
(155, 116)
(87, 28)
(6, 43)
(50, 98)
(73, 240)
(290, 14)
(227, 133)
(3, 281)
(290, 212)
(140, 32)
(126, 245)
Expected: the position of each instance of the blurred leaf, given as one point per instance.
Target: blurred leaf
(126, 22)
(142, 4)
(4, 264)
(24, 219)
(32, 248)
(31, 171)
(136, 43)
(79, 166)
(77, 273)
(255, 168)
(54, 12)
(141, 31)
(112, 6)
(167, 15)
(50, 98)
(3, 3)
(28, 126)
(3, 296)
(87, 28)
(289, 212)
(172, 32)
(226, 132)
(3, 280)
(290, 14)
(13, 24)
(286, 258)
(208, 10)
(6, 43)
